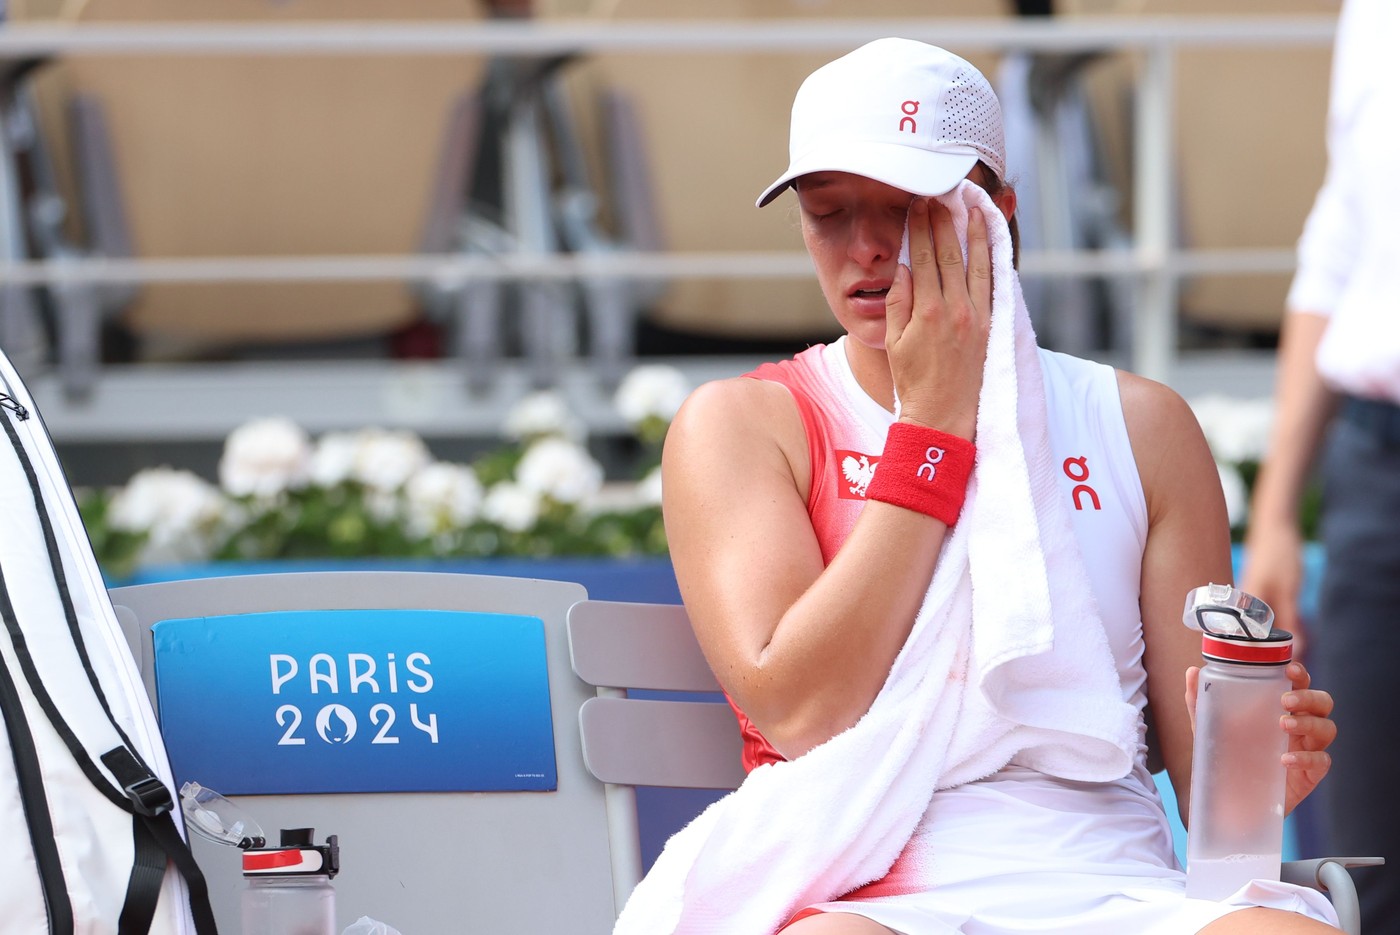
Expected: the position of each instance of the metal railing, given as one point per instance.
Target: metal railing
(1153, 262)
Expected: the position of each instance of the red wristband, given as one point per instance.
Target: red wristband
(924, 470)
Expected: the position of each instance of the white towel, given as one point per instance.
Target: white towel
(1007, 657)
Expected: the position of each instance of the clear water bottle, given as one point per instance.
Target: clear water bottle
(288, 888)
(1238, 779)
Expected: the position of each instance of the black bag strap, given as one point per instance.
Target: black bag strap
(148, 865)
(162, 828)
(157, 840)
(58, 909)
(142, 793)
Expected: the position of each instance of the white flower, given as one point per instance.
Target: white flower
(651, 391)
(559, 469)
(179, 511)
(511, 506)
(1236, 429)
(1236, 496)
(386, 460)
(265, 457)
(333, 460)
(440, 497)
(542, 414)
(381, 460)
(382, 506)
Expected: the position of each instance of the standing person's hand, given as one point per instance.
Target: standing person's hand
(1273, 573)
(938, 314)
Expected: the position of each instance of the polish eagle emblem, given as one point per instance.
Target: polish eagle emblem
(858, 471)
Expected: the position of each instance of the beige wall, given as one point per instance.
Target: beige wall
(716, 128)
(1250, 147)
(1249, 126)
(267, 156)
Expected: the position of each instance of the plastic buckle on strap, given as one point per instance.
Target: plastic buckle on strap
(150, 796)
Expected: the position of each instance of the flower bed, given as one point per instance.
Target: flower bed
(379, 493)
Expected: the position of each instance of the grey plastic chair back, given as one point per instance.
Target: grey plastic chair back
(630, 741)
(494, 862)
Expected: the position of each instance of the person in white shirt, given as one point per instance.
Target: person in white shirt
(1338, 396)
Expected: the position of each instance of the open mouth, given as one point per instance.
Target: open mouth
(870, 293)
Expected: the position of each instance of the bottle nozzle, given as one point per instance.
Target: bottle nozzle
(214, 817)
(1225, 611)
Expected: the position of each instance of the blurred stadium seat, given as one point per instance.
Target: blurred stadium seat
(258, 156)
(1250, 151)
(274, 155)
(712, 127)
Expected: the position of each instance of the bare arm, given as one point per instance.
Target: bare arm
(1303, 405)
(801, 649)
(804, 649)
(1188, 545)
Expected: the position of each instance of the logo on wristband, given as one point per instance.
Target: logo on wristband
(931, 457)
(924, 470)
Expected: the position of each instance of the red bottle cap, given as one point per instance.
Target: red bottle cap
(1277, 649)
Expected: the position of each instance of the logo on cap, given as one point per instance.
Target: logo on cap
(910, 108)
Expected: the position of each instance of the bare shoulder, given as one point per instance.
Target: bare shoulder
(1150, 408)
(734, 403)
(736, 425)
(1188, 544)
(1172, 455)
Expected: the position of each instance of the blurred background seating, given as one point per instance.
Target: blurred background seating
(185, 156)
(1250, 153)
(595, 151)
(711, 128)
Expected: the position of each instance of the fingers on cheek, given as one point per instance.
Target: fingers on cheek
(920, 224)
(899, 288)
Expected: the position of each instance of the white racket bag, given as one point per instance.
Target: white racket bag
(93, 844)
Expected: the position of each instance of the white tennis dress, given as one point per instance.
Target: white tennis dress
(1020, 851)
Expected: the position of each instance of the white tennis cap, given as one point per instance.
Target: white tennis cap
(901, 112)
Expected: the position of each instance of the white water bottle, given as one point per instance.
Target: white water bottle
(1238, 779)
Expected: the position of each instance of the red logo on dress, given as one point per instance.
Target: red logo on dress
(1077, 470)
(854, 471)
